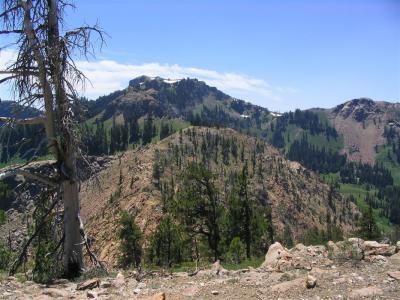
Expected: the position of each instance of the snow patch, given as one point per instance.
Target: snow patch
(171, 81)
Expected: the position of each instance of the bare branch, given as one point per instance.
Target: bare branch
(15, 31)
(27, 121)
(6, 12)
(27, 174)
(19, 72)
(17, 263)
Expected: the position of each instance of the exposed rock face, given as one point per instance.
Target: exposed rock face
(362, 123)
(359, 109)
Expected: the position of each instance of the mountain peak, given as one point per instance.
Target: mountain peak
(146, 82)
(359, 109)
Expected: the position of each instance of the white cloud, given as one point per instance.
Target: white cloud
(107, 76)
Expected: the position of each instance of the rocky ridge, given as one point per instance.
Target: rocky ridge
(292, 191)
(303, 272)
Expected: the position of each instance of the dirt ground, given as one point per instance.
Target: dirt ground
(336, 280)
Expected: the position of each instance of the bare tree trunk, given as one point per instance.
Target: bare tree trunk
(44, 72)
(72, 259)
(73, 244)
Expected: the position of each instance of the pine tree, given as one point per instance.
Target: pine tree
(131, 239)
(368, 226)
(167, 245)
(133, 131)
(148, 129)
(198, 206)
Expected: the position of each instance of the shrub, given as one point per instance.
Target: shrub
(3, 217)
(237, 251)
(5, 257)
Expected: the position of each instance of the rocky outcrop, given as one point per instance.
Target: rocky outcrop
(356, 248)
(277, 258)
(280, 259)
(375, 248)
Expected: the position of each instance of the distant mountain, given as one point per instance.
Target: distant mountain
(180, 98)
(363, 122)
(19, 142)
(354, 148)
(12, 109)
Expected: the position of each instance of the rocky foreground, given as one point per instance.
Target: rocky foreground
(354, 269)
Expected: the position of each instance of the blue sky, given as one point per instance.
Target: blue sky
(279, 54)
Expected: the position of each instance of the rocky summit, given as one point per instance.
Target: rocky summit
(350, 269)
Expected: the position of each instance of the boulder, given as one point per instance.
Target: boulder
(398, 246)
(277, 258)
(88, 284)
(311, 282)
(375, 248)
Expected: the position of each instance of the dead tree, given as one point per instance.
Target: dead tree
(44, 75)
